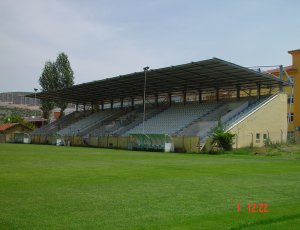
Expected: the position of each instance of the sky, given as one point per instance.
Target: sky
(108, 38)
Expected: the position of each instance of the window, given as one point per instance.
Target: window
(291, 99)
(291, 117)
(257, 138)
(265, 136)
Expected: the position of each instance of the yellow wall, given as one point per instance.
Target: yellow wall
(270, 120)
(294, 72)
(296, 75)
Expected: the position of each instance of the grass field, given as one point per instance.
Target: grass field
(49, 187)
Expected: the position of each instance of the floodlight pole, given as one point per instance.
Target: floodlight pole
(145, 84)
(35, 90)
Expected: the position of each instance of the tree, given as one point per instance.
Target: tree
(49, 78)
(49, 82)
(46, 107)
(56, 76)
(65, 77)
(65, 72)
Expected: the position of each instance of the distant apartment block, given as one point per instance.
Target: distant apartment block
(18, 98)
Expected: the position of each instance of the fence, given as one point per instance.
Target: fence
(181, 143)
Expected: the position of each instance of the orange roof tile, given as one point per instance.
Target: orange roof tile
(6, 126)
(294, 51)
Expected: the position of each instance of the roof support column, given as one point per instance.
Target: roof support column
(122, 103)
(156, 100)
(281, 78)
(281, 72)
(143, 100)
(258, 91)
(102, 105)
(217, 94)
(76, 107)
(92, 107)
(83, 107)
(280, 87)
(132, 103)
(184, 97)
(238, 93)
(111, 104)
(170, 98)
(200, 96)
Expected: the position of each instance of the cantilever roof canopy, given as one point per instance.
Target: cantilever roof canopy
(207, 75)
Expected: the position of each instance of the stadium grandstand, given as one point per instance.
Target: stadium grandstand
(183, 101)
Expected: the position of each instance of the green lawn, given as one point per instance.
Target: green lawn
(49, 187)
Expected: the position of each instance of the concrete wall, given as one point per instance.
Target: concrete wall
(267, 122)
(181, 144)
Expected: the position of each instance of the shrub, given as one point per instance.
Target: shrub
(222, 138)
(19, 119)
